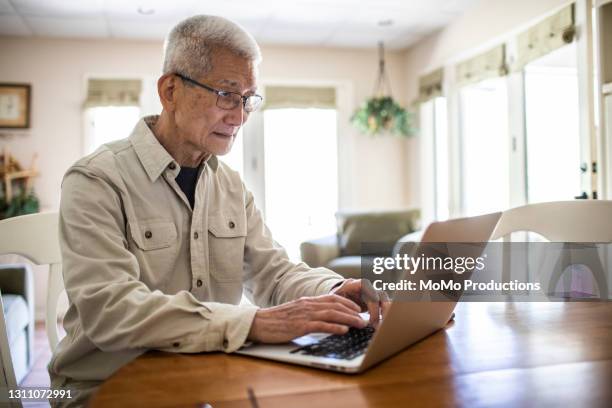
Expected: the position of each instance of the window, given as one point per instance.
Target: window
(552, 126)
(522, 121)
(112, 109)
(484, 140)
(108, 123)
(441, 159)
(434, 139)
(301, 174)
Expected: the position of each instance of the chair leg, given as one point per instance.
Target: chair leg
(587, 256)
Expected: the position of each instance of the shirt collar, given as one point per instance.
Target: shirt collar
(153, 156)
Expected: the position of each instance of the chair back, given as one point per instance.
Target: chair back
(560, 221)
(35, 237)
(580, 221)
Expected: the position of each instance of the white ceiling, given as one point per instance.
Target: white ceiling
(327, 23)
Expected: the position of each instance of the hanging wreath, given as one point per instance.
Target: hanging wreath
(381, 114)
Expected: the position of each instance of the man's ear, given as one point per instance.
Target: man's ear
(166, 88)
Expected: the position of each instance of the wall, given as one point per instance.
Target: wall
(486, 24)
(57, 70)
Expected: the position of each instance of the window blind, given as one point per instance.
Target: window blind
(430, 85)
(113, 92)
(545, 37)
(299, 97)
(489, 64)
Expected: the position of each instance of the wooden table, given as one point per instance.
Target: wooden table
(495, 354)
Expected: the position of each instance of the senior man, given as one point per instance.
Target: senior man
(159, 239)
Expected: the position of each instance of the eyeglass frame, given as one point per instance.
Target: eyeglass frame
(222, 93)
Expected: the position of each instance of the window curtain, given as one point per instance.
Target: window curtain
(430, 85)
(113, 92)
(545, 37)
(277, 97)
(490, 64)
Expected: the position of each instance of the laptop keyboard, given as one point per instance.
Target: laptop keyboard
(345, 346)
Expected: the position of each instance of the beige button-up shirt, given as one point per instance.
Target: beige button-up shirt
(144, 271)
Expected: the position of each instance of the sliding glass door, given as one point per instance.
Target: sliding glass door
(484, 147)
(552, 127)
(433, 132)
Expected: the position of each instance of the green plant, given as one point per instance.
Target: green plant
(380, 115)
(20, 204)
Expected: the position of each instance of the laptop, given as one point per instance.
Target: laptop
(404, 323)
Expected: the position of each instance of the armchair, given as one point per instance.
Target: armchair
(341, 252)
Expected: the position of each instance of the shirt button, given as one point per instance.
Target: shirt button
(231, 224)
(148, 234)
(199, 283)
(176, 344)
(195, 235)
(172, 166)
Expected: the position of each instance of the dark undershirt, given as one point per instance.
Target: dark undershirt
(187, 180)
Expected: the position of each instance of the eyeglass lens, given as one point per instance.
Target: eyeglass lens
(232, 100)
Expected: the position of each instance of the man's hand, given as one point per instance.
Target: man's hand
(362, 292)
(328, 314)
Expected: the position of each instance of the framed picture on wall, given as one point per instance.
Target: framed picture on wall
(15, 106)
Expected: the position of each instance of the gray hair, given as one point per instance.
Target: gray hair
(189, 45)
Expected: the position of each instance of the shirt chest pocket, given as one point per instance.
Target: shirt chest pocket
(226, 241)
(154, 243)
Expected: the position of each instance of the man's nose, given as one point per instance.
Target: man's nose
(236, 116)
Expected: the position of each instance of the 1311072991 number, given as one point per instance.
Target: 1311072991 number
(39, 394)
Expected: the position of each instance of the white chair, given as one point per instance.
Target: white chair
(580, 221)
(35, 237)
(7, 374)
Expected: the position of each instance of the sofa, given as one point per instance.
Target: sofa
(378, 230)
(16, 287)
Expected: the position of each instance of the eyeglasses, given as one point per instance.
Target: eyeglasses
(229, 100)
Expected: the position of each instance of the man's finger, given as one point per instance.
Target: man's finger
(334, 316)
(340, 299)
(337, 306)
(368, 293)
(324, 327)
(374, 309)
(385, 303)
(370, 297)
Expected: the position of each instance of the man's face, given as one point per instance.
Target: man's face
(200, 122)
